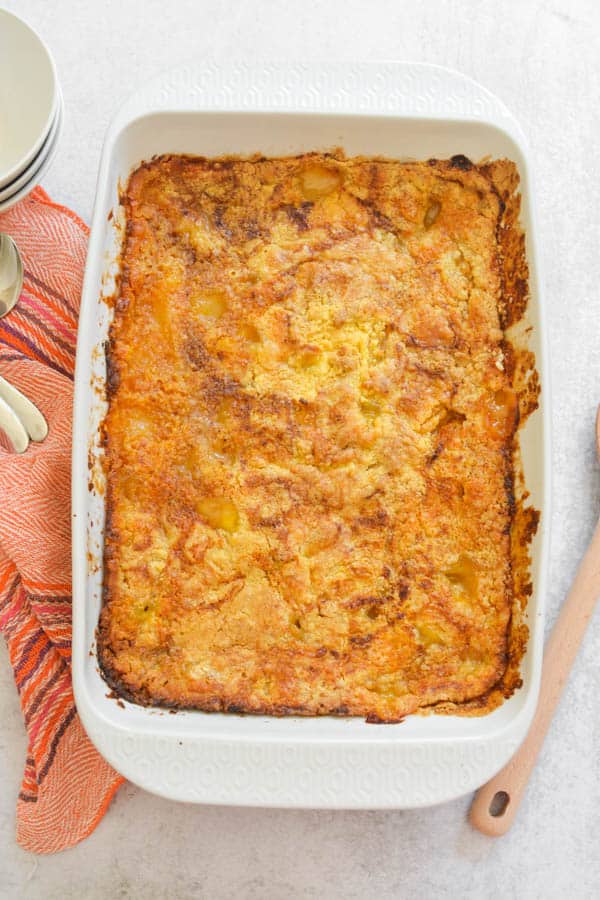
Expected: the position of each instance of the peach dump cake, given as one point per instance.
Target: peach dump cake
(309, 439)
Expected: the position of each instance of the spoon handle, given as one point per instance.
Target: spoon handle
(496, 803)
(13, 427)
(34, 422)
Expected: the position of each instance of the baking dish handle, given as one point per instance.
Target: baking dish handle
(366, 88)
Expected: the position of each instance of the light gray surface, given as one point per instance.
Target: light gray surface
(542, 60)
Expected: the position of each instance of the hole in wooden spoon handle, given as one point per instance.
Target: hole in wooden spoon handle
(499, 804)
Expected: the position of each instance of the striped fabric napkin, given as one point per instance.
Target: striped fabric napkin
(67, 786)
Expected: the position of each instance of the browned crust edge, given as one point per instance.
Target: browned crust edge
(526, 384)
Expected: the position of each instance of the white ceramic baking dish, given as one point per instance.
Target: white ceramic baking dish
(396, 110)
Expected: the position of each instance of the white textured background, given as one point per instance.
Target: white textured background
(543, 60)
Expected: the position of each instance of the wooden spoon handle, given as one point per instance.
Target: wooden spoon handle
(496, 803)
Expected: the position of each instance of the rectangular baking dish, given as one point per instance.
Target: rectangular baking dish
(398, 110)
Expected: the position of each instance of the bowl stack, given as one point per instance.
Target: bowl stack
(31, 109)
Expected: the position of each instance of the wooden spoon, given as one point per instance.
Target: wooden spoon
(496, 803)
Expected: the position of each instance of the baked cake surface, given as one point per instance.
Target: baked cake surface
(309, 437)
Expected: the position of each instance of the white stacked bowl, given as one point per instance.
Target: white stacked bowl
(31, 109)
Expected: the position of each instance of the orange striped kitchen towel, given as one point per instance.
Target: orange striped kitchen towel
(67, 786)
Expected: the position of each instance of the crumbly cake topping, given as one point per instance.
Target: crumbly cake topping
(309, 437)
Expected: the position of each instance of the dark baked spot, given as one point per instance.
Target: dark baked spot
(403, 589)
(299, 214)
(219, 220)
(373, 719)
(374, 520)
(461, 162)
(361, 640)
(112, 373)
(196, 352)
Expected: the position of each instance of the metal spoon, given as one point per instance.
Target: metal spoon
(19, 417)
(12, 426)
(11, 274)
(34, 422)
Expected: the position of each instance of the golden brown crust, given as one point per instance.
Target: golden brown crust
(310, 437)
